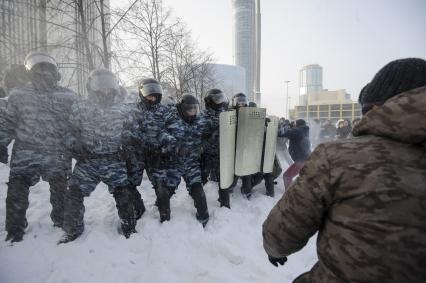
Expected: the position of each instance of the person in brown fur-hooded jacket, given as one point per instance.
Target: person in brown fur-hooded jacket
(366, 196)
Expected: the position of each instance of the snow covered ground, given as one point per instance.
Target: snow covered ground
(229, 249)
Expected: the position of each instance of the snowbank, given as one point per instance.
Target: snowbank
(228, 250)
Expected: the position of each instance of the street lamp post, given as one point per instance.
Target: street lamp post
(286, 102)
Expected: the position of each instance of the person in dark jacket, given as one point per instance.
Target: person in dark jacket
(299, 149)
(328, 131)
(344, 129)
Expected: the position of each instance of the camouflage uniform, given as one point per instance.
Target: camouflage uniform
(148, 131)
(210, 165)
(186, 164)
(189, 140)
(3, 105)
(37, 121)
(96, 142)
(366, 199)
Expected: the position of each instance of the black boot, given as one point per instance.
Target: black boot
(163, 202)
(16, 208)
(256, 179)
(137, 202)
(224, 198)
(58, 189)
(200, 203)
(73, 214)
(269, 184)
(125, 205)
(246, 186)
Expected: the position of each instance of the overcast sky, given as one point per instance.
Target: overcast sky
(350, 39)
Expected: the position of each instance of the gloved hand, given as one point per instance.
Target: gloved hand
(4, 155)
(171, 147)
(80, 153)
(276, 261)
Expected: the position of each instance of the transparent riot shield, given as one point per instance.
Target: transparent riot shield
(250, 135)
(270, 144)
(227, 131)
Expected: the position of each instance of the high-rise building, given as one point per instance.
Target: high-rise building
(322, 104)
(247, 39)
(229, 78)
(23, 28)
(310, 81)
(53, 26)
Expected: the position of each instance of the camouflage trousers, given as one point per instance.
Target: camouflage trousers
(210, 168)
(27, 167)
(188, 169)
(135, 170)
(85, 177)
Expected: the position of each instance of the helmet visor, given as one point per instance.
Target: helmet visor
(151, 88)
(103, 83)
(240, 101)
(38, 58)
(219, 98)
(190, 110)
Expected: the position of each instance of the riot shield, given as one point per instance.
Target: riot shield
(227, 130)
(250, 134)
(270, 144)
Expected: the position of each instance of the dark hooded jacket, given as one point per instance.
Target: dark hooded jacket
(300, 147)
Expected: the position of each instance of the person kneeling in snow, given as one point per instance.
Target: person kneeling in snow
(364, 196)
(96, 143)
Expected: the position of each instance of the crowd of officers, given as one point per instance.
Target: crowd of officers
(112, 142)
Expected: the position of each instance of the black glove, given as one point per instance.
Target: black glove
(276, 261)
(4, 155)
(171, 147)
(80, 153)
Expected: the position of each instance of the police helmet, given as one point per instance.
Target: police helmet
(188, 108)
(216, 99)
(150, 87)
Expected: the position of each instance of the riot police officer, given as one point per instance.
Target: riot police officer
(216, 102)
(96, 142)
(15, 76)
(240, 100)
(37, 119)
(188, 130)
(152, 143)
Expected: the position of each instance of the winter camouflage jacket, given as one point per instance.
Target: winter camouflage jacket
(149, 124)
(211, 122)
(3, 105)
(189, 137)
(37, 120)
(97, 130)
(366, 198)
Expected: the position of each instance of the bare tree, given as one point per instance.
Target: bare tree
(77, 32)
(189, 69)
(146, 30)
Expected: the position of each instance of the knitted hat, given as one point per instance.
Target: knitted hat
(300, 122)
(396, 77)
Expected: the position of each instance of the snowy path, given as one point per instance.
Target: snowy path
(228, 250)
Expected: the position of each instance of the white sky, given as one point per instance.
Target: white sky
(350, 39)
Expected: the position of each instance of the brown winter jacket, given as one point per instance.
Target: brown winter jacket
(366, 198)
